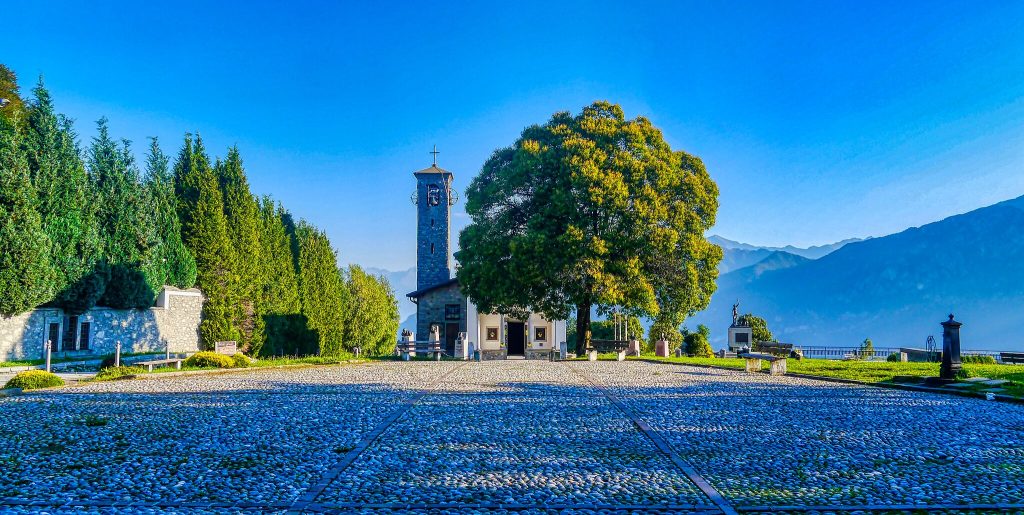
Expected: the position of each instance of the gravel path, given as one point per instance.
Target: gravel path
(504, 437)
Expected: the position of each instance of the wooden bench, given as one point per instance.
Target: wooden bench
(617, 346)
(411, 349)
(777, 363)
(784, 350)
(160, 362)
(1012, 358)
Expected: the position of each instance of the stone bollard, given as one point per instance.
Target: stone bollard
(408, 339)
(661, 348)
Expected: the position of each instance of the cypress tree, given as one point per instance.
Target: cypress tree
(124, 221)
(372, 319)
(172, 262)
(279, 299)
(26, 274)
(243, 221)
(65, 204)
(321, 289)
(204, 233)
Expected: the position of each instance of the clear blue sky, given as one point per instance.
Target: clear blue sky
(819, 120)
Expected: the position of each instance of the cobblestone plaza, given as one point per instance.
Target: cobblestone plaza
(505, 437)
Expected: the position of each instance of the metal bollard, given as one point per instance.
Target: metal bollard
(117, 354)
(48, 350)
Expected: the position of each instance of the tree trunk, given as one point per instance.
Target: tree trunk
(582, 328)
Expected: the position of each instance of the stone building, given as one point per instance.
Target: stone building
(441, 304)
(173, 321)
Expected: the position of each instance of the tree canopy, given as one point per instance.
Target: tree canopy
(586, 210)
(759, 328)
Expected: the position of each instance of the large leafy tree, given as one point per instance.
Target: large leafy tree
(323, 293)
(372, 319)
(9, 90)
(588, 210)
(66, 205)
(171, 262)
(243, 223)
(123, 217)
(26, 274)
(758, 328)
(205, 234)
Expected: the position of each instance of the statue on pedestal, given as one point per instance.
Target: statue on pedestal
(736, 313)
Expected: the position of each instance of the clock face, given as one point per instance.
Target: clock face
(433, 195)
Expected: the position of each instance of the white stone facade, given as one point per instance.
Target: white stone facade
(174, 321)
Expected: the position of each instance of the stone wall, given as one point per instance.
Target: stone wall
(174, 321)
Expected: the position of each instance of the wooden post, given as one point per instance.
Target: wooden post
(117, 354)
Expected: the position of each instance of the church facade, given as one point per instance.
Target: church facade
(440, 303)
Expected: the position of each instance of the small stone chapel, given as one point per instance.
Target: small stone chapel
(441, 305)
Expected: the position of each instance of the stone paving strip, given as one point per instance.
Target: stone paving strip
(767, 442)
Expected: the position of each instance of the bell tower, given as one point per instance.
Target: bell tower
(433, 199)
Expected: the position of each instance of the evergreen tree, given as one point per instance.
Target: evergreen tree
(204, 233)
(65, 204)
(26, 274)
(279, 299)
(321, 289)
(172, 263)
(243, 222)
(124, 222)
(372, 318)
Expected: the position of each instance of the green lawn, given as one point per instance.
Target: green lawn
(872, 371)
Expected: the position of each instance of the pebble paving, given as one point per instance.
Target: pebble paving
(505, 437)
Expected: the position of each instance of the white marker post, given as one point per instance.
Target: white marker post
(117, 354)
(48, 347)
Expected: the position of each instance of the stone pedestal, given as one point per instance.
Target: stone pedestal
(950, 349)
(634, 348)
(778, 367)
(592, 355)
(740, 337)
(661, 348)
(753, 365)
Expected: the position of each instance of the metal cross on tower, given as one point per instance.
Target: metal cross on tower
(435, 152)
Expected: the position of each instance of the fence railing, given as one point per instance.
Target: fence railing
(823, 352)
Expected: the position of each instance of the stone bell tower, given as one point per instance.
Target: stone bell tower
(433, 198)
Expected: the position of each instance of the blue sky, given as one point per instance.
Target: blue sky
(819, 120)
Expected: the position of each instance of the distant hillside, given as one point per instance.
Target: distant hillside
(894, 289)
(809, 252)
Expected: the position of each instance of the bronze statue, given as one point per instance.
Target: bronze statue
(736, 312)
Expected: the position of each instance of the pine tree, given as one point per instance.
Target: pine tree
(65, 204)
(321, 288)
(279, 299)
(372, 318)
(26, 274)
(173, 262)
(243, 221)
(124, 221)
(204, 233)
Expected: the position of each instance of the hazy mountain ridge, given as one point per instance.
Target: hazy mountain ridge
(894, 289)
(813, 252)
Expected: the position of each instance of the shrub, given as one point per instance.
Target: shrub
(122, 372)
(34, 379)
(207, 359)
(979, 359)
(241, 360)
(108, 362)
(893, 358)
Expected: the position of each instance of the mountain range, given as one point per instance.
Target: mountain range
(894, 289)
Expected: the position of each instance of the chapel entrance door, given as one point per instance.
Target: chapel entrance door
(451, 333)
(516, 339)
